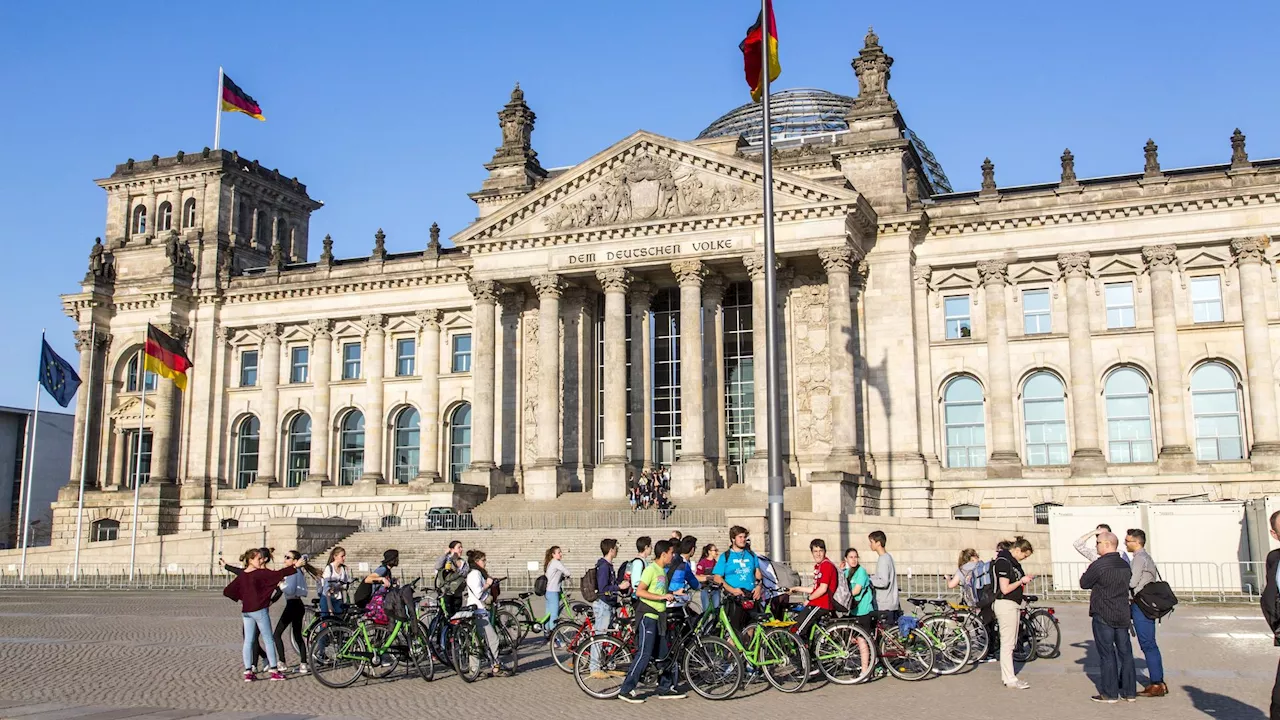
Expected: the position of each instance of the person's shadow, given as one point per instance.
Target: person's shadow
(1222, 707)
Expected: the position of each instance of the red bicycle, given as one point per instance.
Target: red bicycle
(570, 636)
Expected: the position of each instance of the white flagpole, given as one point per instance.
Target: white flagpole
(84, 451)
(217, 122)
(777, 542)
(25, 525)
(137, 475)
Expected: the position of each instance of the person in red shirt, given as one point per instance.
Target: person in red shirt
(820, 592)
(252, 589)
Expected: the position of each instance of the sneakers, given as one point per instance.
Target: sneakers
(277, 675)
(1104, 699)
(1129, 699)
(670, 694)
(1018, 685)
(250, 676)
(302, 669)
(630, 697)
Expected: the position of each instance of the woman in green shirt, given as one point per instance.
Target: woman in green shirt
(862, 607)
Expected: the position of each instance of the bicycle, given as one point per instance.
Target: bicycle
(952, 649)
(971, 621)
(1038, 633)
(711, 666)
(838, 646)
(343, 653)
(769, 646)
(518, 618)
(471, 648)
(907, 658)
(569, 635)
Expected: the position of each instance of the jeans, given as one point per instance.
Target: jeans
(602, 616)
(1115, 652)
(710, 599)
(330, 606)
(1145, 627)
(258, 623)
(490, 635)
(1008, 615)
(553, 611)
(650, 643)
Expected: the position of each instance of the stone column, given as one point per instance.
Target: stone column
(717, 444)
(151, 223)
(375, 424)
(1005, 460)
(429, 427)
(641, 377)
(611, 475)
(757, 467)
(689, 475)
(269, 422)
(1250, 262)
(89, 344)
(254, 240)
(545, 480)
(1175, 453)
(483, 469)
(1087, 458)
(321, 422)
(838, 262)
(926, 404)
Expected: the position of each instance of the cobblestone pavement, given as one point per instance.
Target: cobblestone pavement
(165, 656)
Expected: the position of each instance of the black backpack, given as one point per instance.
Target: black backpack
(540, 586)
(587, 585)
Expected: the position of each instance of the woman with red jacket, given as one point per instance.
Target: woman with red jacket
(253, 589)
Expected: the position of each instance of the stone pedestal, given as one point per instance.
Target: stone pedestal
(610, 481)
(834, 492)
(462, 497)
(691, 477)
(544, 482)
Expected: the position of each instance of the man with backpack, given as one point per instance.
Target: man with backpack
(738, 570)
(825, 580)
(1144, 573)
(635, 568)
(600, 586)
(682, 577)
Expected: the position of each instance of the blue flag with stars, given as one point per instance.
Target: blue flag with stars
(57, 376)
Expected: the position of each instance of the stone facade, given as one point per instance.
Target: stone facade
(944, 353)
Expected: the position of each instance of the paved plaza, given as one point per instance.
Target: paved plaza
(165, 656)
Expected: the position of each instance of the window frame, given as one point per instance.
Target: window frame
(1208, 305)
(104, 526)
(1238, 414)
(131, 444)
(348, 363)
(351, 457)
(1129, 444)
(189, 214)
(459, 451)
(962, 513)
(246, 381)
(244, 476)
(947, 425)
(137, 376)
(411, 369)
(299, 372)
(138, 222)
(164, 217)
(1131, 307)
(1043, 318)
(1049, 447)
(460, 358)
(1041, 510)
(297, 465)
(963, 322)
(403, 472)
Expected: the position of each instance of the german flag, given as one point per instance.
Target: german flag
(165, 357)
(236, 100)
(752, 48)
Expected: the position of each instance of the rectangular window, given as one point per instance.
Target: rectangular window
(351, 361)
(249, 368)
(1035, 312)
(405, 350)
(667, 412)
(461, 353)
(739, 376)
(1206, 299)
(956, 311)
(1120, 305)
(298, 360)
(131, 468)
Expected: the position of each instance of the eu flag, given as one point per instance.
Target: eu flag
(57, 376)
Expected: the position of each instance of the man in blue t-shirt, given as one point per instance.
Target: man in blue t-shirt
(738, 570)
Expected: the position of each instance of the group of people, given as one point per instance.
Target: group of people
(256, 587)
(650, 489)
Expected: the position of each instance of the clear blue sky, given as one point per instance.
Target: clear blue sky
(388, 114)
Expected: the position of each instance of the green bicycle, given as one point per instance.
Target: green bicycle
(768, 647)
(342, 653)
(842, 650)
(951, 644)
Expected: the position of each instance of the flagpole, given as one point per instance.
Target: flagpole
(217, 122)
(137, 475)
(31, 469)
(84, 451)
(777, 543)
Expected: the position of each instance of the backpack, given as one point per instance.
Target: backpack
(399, 604)
(980, 588)
(676, 563)
(452, 584)
(1155, 599)
(625, 573)
(376, 610)
(540, 586)
(842, 594)
(587, 586)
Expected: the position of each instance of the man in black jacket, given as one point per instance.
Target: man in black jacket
(1271, 607)
(1107, 580)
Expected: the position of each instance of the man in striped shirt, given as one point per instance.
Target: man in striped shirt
(1107, 580)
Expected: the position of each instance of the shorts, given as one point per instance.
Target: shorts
(866, 622)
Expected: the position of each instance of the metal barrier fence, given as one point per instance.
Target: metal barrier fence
(560, 520)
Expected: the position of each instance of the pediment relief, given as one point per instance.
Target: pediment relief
(1117, 265)
(1035, 272)
(457, 320)
(1204, 258)
(295, 333)
(953, 279)
(128, 410)
(402, 323)
(647, 179)
(348, 329)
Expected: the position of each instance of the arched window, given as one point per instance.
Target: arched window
(459, 441)
(298, 442)
(1044, 417)
(189, 213)
(104, 530)
(247, 451)
(1128, 417)
(965, 430)
(966, 512)
(135, 376)
(228, 523)
(405, 446)
(140, 220)
(351, 448)
(164, 217)
(390, 521)
(1215, 400)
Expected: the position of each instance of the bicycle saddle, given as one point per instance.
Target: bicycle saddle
(525, 595)
(580, 607)
(461, 615)
(1031, 598)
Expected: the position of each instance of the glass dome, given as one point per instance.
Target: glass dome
(803, 113)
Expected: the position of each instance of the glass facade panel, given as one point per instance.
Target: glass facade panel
(666, 376)
(739, 375)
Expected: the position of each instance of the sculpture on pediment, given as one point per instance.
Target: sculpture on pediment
(648, 188)
(101, 263)
(872, 66)
(178, 253)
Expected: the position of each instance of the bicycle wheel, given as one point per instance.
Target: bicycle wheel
(1024, 649)
(468, 652)
(979, 640)
(1048, 637)
(338, 658)
(508, 649)
(783, 659)
(952, 649)
(564, 642)
(508, 616)
(420, 653)
(713, 668)
(387, 661)
(843, 652)
(605, 682)
(910, 658)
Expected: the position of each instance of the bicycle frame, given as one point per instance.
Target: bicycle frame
(751, 651)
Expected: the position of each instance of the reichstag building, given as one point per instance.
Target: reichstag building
(979, 354)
